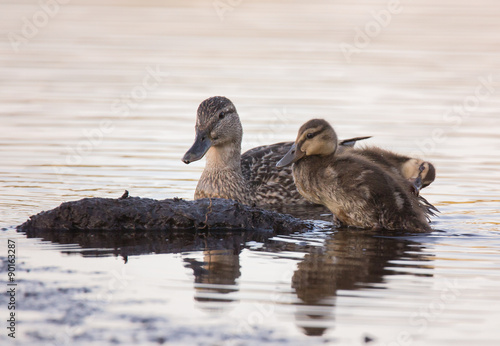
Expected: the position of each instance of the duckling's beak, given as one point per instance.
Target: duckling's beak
(292, 156)
(200, 147)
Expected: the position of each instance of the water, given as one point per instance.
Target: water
(103, 96)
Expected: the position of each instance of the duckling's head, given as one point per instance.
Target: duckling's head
(316, 137)
(217, 124)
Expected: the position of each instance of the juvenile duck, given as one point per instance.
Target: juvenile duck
(251, 178)
(358, 192)
(418, 172)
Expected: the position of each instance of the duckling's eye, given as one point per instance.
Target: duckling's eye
(310, 135)
(222, 115)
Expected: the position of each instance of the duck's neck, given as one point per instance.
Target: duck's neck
(222, 176)
(226, 157)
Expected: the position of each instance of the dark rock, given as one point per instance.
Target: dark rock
(144, 214)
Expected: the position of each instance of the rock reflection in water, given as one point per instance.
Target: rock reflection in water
(129, 243)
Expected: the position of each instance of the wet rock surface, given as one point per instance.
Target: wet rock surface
(144, 214)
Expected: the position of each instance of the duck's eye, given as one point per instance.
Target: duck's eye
(222, 115)
(310, 135)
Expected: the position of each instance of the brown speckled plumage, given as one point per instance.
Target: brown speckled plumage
(359, 192)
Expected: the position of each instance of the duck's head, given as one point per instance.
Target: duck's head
(421, 174)
(217, 124)
(316, 137)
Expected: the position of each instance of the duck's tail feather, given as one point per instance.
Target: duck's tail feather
(428, 208)
(351, 141)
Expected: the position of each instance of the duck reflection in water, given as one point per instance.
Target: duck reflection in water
(215, 276)
(349, 260)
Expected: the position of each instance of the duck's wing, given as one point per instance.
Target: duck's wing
(273, 185)
(258, 165)
(256, 157)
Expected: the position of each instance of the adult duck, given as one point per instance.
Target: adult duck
(251, 178)
(359, 192)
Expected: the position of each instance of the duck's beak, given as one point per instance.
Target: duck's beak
(292, 156)
(200, 147)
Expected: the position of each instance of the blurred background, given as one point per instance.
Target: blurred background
(101, 96)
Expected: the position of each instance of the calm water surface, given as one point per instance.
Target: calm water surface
(102, 98)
